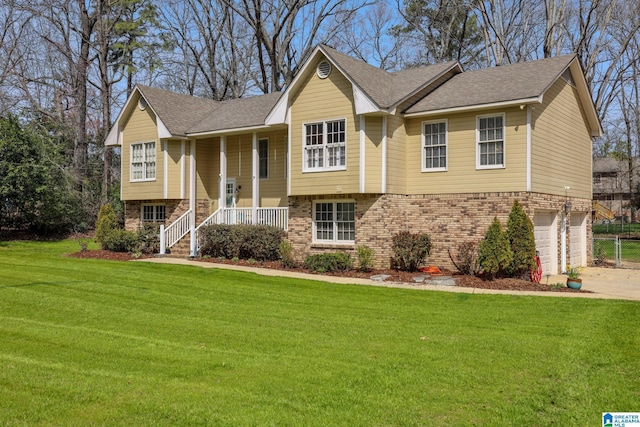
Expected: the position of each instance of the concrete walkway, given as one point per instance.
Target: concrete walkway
(608, 283)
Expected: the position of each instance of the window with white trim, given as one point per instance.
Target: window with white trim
(334, 222)
(490, 141)
(263, 158)
(434, 145)
(143, 161)
(153, 213)
(325, 145)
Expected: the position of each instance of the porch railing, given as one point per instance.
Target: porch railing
(170, 235)
(276, 217)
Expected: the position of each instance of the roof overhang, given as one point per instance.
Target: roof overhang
(585, 98)
(232, 131)
(475, 107)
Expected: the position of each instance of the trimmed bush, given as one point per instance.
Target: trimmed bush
(328, 262)
(466, 259)
(495, 251)
(410, 250)
(258, 242)
(149, 238)
(106, 223)
(366, 255)
(522, 242)
(121, 241)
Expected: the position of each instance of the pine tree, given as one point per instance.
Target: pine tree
(495, 251)
(521, 240)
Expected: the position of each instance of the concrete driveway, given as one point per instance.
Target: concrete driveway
(619, 283)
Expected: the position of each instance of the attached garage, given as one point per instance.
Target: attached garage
(545, 230)
(578, 239)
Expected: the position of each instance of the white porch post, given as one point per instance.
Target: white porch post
(222, 191)
(192, 196)
(255, 173)
(362, 155)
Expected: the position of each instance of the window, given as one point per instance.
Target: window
(597, 179)
(434, 143)
(263, 158)
(143, 161)
(153, 213)
(334, 222)
(490, 137)
(325, 145)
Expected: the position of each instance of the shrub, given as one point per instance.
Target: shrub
(366, 255)
(327, 262)
(410, 250)
(107, 222)
(522, 242)
(149, 237)
(495, 251)
(259, 242)
(121, 241)
(285, 250)
(466, 260)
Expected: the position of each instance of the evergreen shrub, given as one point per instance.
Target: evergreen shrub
(410, 250)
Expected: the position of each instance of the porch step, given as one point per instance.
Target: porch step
(181, 249)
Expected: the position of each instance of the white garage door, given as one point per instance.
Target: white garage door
(546, 235)
(577, 238)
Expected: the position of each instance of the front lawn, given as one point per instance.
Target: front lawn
(92, 342)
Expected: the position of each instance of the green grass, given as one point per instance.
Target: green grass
(630, 249)
(87, 342)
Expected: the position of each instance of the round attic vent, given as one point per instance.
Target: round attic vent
(142, 103)
(324, 69)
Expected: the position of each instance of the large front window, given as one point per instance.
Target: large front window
(490, 137)
(434, 144)
(334, 222)
(143, 161)
(325, 145)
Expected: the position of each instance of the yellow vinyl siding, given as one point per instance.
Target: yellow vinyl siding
(174, 159)
(396, 155)
(273, 190)
(561, 144)
(207, 167)
(373, 155)
(319, 100)
(461, 175)
(141, 127)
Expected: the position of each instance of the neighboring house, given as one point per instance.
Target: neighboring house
(611, 185)
(351, 155)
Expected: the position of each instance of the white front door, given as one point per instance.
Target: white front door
(231, 193)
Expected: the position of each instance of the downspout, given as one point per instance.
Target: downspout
(383, 188)
(362, 154)
(192, 197)
(529, 159)
(255, 197)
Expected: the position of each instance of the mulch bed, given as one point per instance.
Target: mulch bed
(394, 275)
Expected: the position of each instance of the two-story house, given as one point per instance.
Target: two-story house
(351, 155)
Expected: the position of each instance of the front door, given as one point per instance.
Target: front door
(231, 193)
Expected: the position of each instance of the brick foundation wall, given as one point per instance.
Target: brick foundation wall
(448, 218)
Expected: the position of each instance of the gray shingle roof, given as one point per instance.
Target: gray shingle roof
(498, 84)
(185, 114)
(384, 88)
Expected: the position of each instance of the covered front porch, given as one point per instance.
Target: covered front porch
(238, 178)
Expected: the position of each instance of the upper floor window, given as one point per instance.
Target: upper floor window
(143, 161)
(263, 158)
(153, 213)
(334, 222)
(434, 144)
(490, 141)
(325, 145)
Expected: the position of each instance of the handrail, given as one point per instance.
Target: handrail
(170, 235)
